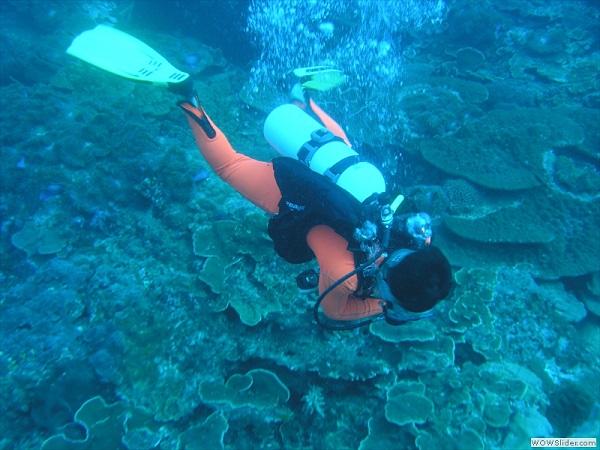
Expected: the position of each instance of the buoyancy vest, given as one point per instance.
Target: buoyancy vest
(310, 199)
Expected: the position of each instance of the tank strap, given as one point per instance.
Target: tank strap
(334, 172)
(318, 139)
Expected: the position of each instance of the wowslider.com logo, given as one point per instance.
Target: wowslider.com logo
(563, 442)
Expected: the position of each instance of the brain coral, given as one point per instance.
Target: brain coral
(464, 197)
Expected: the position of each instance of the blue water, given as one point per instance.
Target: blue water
(142, 305)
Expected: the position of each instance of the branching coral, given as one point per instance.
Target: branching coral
(314, 401)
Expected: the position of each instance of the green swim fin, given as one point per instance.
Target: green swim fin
(119, 53)
(320, 78)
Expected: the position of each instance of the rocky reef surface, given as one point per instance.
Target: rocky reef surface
(142, 305)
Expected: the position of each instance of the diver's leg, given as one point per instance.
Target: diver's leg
(254, 179)
(310, 107)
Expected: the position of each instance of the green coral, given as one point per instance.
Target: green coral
(505, 149)
(39, 239)
(232, 270)
(418, 331)
(123, 426)
(509, 224)
(141, 439)
(475, 403)
(259, 388)
(470, 320)
(407, 404)
(206, 436)
(496, 413)
(469, 59)
(383, 434)
(104, 425)
(508, 382)
(427, 356)
(571, 221)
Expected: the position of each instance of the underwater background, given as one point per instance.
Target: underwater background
(143, 306)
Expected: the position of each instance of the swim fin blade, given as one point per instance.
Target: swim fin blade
(302, 72)
(122, 54)
(320, 78)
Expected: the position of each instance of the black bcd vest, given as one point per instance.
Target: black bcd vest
(310, 199)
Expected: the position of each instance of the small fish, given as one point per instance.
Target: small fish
(192, 60)
(201, 176)
(50, 191)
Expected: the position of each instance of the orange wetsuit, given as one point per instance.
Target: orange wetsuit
(255, 180)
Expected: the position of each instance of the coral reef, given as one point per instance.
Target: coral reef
(230, 249)
(142, 305)
(504, 161)
(313, 401)
(407, 404)
(259, 388)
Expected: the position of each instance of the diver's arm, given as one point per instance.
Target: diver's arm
(335, 261)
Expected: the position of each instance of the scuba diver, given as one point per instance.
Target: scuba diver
(325, 202)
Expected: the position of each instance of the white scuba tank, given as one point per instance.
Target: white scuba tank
(292, 132)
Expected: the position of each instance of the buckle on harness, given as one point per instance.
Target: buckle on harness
(318, 138)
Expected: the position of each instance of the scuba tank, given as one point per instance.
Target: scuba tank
(293, 133)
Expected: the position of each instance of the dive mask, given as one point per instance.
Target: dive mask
(395, 312)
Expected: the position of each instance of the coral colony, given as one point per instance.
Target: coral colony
(142, 303)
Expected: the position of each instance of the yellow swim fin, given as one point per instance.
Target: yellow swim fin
(320, 78)
(124, 55)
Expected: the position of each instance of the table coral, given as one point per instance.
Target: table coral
(38, 239)
(408, 404)
(232, 250)
(207, 435)
(505, 149)
(572, 251)
(464, 197)
(410, 332)
(511, 224)
(259, 388)
(469, 59)
(103, 424)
